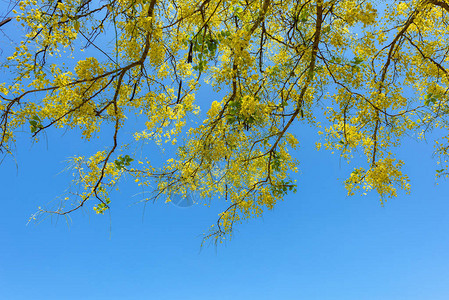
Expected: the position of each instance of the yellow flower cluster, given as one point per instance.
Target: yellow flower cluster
(366, 80)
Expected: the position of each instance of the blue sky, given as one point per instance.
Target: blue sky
(316, 244)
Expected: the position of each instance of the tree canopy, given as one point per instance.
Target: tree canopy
(365, 74)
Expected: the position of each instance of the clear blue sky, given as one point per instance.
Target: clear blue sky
(317, 244)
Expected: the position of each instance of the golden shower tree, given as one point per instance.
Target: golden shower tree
(364, 74)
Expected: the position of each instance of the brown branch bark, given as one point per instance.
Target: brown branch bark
(5, 21)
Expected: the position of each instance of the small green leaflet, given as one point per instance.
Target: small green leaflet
(35, 124)
(123, 161)
(430, 99)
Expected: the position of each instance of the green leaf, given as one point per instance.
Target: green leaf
(76, 25)
(326, 29)
(430, 99)
(357, 60)
(35, 124)
(123, 161)
(304, 16)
